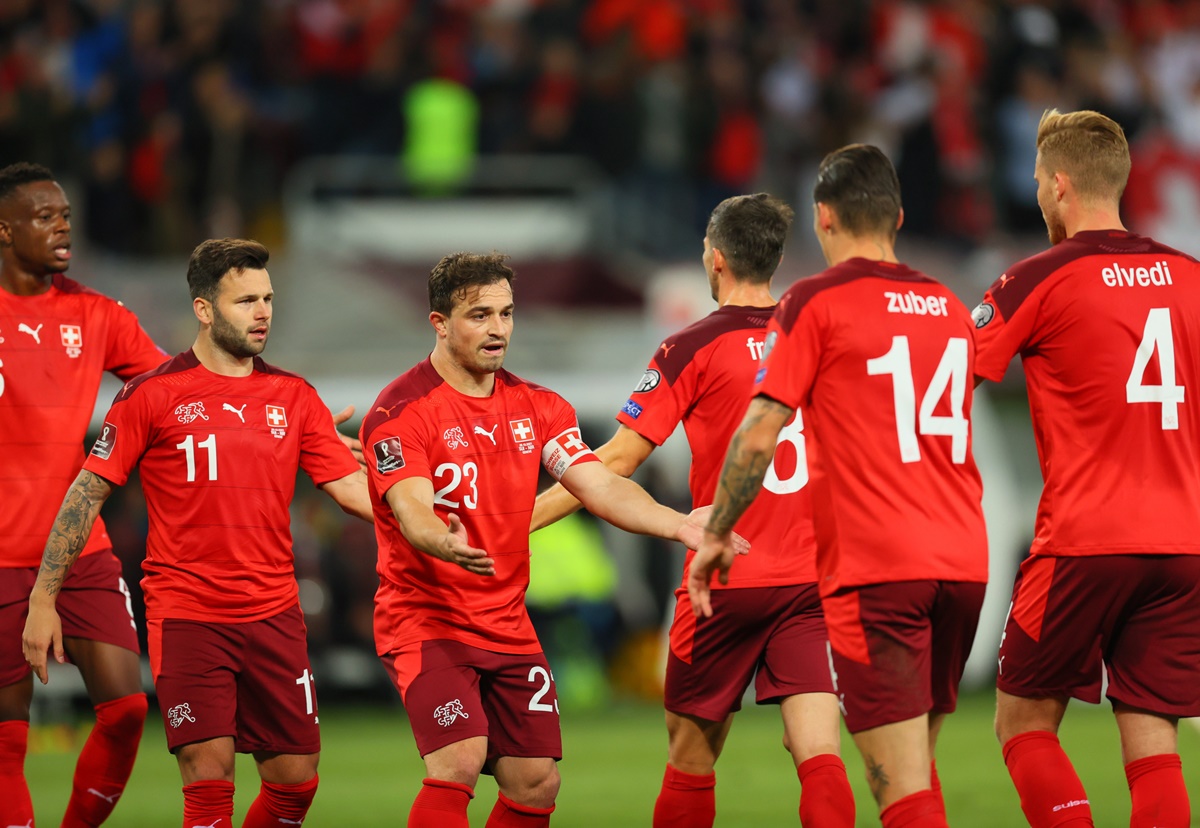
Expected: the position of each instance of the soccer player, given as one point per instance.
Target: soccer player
(879, 357)
(1107, 324)
(456, 444)
(218, 435)
(769, 625)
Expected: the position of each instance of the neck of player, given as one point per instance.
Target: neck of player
(1087, 217)
(216, 359)
(462, 380)
(20, 282)
(744, 294)
(841, 247)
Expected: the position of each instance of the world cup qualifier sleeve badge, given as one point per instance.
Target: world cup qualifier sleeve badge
(388, 455)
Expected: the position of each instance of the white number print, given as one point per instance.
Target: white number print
(536, 704)
(189, 451)
(1156, 336)
(457, 473)
(952, 372)
(307, 680)
(124, 587)
(1, 379)
(792, 433)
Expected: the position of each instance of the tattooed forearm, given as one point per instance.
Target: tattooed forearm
(71, 528)
(876, 777)
(746, 463)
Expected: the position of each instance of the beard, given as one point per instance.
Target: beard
(1055, 229)
(232, 341)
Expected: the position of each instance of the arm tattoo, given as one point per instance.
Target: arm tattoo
(744, 470)
(876, 776)
(71, 528)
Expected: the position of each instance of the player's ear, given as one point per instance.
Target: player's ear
(438, 320)
(1061, 182)
(5, 233)
(203, 310)
(824, 217)
(900, 220)
(718, 260)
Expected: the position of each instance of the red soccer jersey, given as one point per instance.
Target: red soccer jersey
(1107, 324)
(218, 458)
(54, 350)
(482, 455)
(879, 357)
(702, 376)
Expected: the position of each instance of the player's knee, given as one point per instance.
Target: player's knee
(123, 717)
(538, 787)
(198, 765)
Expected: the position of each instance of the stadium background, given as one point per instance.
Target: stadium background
(363, 139)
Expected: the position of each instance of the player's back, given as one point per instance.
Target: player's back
(879, 357)
(1108, 327)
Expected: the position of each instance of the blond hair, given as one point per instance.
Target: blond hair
(1089, 148)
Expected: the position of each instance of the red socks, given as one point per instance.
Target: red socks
(1051, 794)
(441, 804)
(106, 761)
(1160, 799)
(509, 814)
(15, 806)
(919, 810)
(208, 804)
(826, 800)
(686, 800)
(278, 805)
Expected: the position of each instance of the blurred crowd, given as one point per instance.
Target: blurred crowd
(182, 118)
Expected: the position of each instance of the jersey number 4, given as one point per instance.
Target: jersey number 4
(1156, 336)
(951, 372)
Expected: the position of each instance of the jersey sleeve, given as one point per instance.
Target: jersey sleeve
(397, 449)
(565, 448)
(658, 403)
(130, 350)
(1000, 337)
(323, 455)
(123, 438)
(791, 354)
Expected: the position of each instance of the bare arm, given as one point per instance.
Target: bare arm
(412, 504)
(623, 454)
(68, 536)
(350, 492)
(750, 453)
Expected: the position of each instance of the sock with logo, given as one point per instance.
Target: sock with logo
(935, 785)
(686, 800)
(1051, 794)
(16, 808)
(1160, 798)
(208, 804)
(278, 805)
(106, 761)
(826, 800)
(919, 810)
(441, 804)
(509, 814)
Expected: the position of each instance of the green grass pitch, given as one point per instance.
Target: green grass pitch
(370, 771)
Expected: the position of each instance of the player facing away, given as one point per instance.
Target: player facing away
(879, 357)
(218, 436)
(1107, 324)
(57, 338)
(456, 444)
(767, 623)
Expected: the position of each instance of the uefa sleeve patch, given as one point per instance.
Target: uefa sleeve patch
(649, 381)
(983, 314)
(760, 375)
(563, 451)
(632, 409)
(103, 446)
(388, 455)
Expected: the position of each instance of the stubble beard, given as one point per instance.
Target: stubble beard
(232, 341)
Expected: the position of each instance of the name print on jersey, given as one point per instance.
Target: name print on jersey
(1157, 275)
(913, 303)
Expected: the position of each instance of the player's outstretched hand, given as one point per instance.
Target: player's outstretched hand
(43, 632)
(458, 551)
(692, 532)
(714, 553)
(351, 443)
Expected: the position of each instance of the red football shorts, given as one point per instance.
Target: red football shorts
(1139, 615)
(93, 604)
(453, 691)
(250, 681)
(775, 635)
(899, 649)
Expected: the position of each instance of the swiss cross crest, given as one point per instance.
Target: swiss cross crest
(522, 434)
(72, 339)
(277, 420)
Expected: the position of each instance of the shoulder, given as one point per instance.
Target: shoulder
(414, 384)
(162, 375)
(68, 287)
(280, 377)
(679, 350)
(538, 394)
(804, 292)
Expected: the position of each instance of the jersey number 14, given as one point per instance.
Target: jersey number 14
(951, 372)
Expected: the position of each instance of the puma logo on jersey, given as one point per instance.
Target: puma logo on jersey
(1004, 280)
(36, 333)
(109, 799)
(1157, 275)
(387, 411)
(491, 435)
(913, 303)
(666, 349)
(237, 411)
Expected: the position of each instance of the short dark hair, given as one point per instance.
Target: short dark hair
(20, 174)
(750, 231)
(454, 274)
(214, 258)
(860, 184)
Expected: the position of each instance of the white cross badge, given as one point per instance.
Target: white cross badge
(522, 432)
(277, 419)
(72, 339)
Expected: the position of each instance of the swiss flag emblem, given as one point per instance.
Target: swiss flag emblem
(522, 430)
(72, 335)
(572, 442)
(276, 416)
